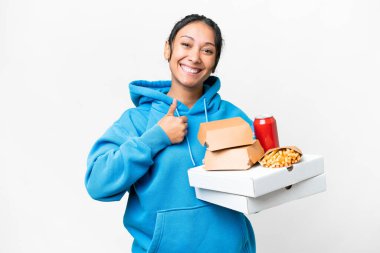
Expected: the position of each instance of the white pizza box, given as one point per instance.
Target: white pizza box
(248, 205)
(258, 180)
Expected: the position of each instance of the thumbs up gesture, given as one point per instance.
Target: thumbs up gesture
(174, 127)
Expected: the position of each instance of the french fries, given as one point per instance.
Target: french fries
(281, 157)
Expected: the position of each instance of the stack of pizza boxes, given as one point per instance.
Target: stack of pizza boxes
(232, 177)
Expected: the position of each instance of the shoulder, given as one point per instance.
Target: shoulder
(229, 105)
(226, 105)
(234, 111)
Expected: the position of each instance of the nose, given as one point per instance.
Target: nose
(194, 55)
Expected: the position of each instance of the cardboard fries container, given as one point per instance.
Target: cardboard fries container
(284, 147)
(226, 133)
(269, 151)
(250, 205)
(258, 180)
(238, 158)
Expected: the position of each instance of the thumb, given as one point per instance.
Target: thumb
(172, 108)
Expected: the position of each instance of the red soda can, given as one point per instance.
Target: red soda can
(266, 131)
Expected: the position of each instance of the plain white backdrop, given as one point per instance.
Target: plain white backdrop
(64, 73)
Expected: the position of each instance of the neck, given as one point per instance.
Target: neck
(187, 96)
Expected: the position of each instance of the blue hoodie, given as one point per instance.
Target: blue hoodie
(136, 155)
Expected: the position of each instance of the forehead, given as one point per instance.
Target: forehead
(198, 31)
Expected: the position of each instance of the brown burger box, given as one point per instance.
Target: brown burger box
(226, 133)
(238, 158)
(230, 145)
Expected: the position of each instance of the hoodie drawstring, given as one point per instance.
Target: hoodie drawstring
(204, 105)
(187, 139)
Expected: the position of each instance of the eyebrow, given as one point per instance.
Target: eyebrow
(207, 43)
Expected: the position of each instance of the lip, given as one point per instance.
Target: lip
(190, 67)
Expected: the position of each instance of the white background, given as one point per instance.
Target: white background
(64, 73)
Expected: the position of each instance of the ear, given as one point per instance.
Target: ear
(167, 51)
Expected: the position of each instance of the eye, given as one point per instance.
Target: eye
(185, 44)
(208, 51)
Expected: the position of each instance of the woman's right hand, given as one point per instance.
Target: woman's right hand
(174, 127)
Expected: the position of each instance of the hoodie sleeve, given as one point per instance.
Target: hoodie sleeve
(121, 156)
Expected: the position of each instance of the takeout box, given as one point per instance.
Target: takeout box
(226, 133)
(258, 180)
(238, 158)
(249, 205)
(230, 144)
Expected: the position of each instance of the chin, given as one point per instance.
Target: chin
(192, 84)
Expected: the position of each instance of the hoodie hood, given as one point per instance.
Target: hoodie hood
(154, 94)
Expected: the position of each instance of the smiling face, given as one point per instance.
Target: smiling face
(193, 55)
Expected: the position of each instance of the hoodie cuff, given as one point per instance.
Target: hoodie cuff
(156, 139)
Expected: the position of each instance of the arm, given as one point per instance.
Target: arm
(120, 157)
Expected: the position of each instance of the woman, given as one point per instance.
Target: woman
(148, 151)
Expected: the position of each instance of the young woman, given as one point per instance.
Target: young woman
(148, 151)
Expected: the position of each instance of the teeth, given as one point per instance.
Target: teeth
(190, 70)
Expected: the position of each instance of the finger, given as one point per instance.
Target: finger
(184, 126)
(184, 119)
(172, 108)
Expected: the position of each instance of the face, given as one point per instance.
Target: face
(193, 55)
